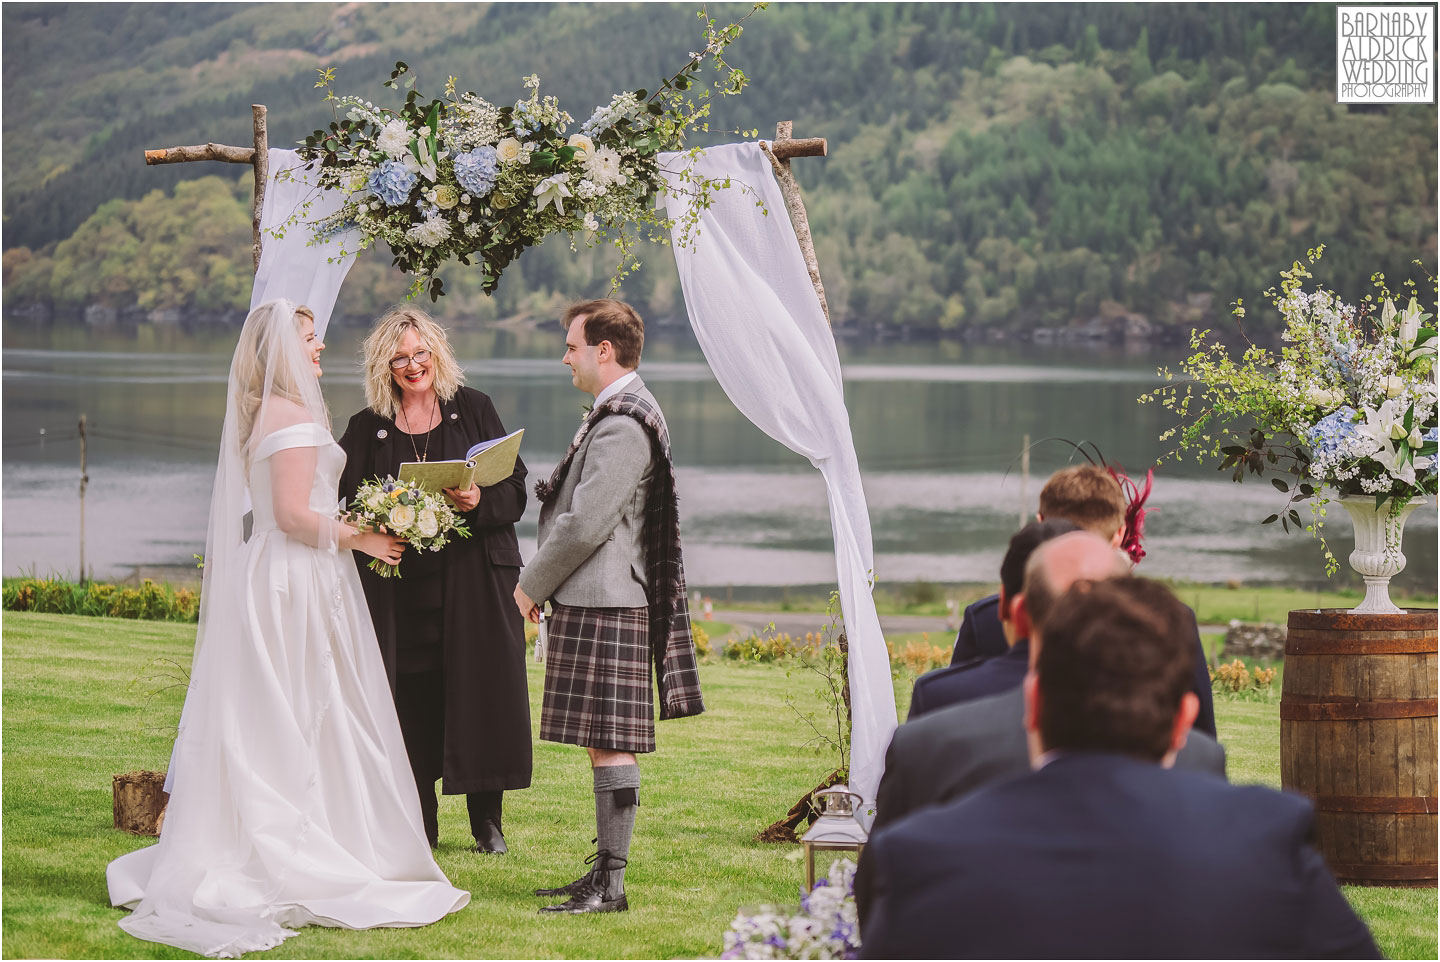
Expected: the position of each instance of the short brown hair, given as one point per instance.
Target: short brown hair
(1115, 665)
(1087, 495)
(613, 321)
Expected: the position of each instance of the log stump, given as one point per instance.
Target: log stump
(140, 800)
(1358, 736)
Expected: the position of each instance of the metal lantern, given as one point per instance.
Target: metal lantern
(838, 828)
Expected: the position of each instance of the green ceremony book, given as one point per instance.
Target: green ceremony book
(487, 463)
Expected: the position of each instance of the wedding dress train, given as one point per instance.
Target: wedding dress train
(292, 801)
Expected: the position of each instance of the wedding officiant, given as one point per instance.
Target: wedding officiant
(452, 640)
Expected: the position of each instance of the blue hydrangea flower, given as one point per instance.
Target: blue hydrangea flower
(1431, 435)
(476, 170)
(1344, 359)
(392, 183)
(1332, 431)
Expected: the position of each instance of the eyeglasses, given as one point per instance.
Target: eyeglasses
(400, 363)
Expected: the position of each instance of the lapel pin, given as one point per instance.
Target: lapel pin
(382, 434)
(454, 416)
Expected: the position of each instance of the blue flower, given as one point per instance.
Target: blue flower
(476, 170)
(391, 182)
(1431, 435)
(1332, 431)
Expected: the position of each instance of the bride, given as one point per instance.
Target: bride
(291, 801)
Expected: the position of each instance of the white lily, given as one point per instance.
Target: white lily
(1387, 314)
(1410, 324)
(427, 160)
(552, 190)
(1379, 429)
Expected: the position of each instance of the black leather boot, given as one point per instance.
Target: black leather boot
(593, 893)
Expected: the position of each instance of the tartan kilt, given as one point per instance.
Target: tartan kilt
(597, 679)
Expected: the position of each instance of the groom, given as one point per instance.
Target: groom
(609, 563)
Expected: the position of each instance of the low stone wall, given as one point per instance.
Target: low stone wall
(1252, 640)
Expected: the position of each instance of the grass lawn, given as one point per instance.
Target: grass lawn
(77, 710)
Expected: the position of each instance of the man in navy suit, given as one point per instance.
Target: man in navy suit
(978, 679)
(1102, 851)
(955, 750)
(1088, 496)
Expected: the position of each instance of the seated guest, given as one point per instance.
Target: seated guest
(1089, 496)
(1101, 852)
(1084, 495)
(953, 751)
(977, 679)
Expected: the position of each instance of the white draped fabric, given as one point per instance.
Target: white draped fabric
(293, 267)
(760, 325)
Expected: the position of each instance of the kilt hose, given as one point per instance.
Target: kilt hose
(597, 679)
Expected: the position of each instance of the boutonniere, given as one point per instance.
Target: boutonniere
(585, 410)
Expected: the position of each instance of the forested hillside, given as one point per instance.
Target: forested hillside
(991, 166)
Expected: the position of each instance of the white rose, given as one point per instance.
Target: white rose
(1320, 397)
(445, 197)
(427, 522)
(1394, 386)
(402, 516)
(508, 150)
(583, 144)
(590, 222)
(376, 501)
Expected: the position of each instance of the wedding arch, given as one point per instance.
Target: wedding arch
(755, 302)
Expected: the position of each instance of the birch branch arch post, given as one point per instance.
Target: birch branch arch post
(257, 156)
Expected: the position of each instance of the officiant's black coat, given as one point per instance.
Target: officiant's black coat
(487, 705)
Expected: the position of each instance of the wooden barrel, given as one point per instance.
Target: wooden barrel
(1358, 735)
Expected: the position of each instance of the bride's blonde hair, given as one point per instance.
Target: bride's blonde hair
(270, 363)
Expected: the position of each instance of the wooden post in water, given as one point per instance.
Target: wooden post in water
(84, 480)
(1025, 512)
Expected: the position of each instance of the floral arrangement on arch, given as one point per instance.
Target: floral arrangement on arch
(1348, 405)
(459, 177)
(826, 926)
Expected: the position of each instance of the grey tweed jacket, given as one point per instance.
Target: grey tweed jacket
(591, 550)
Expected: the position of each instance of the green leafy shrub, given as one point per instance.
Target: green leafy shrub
(98, 599)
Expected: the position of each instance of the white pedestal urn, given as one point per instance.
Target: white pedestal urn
(1377, 556)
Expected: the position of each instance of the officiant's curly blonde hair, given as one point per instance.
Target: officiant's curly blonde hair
(382, 394)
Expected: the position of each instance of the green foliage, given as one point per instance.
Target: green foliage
(54, 596)
(989, 165)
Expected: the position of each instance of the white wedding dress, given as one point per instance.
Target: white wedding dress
(292, 801)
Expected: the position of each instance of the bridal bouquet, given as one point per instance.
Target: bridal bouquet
(826, 926)
(1349, 403)
(425, 520)
(459, 177)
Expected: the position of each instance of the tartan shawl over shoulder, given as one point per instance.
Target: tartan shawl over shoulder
(672, 647)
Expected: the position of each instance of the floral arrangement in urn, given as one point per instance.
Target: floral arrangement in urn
(825, 927)
(1348, 407)
(459, 177)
